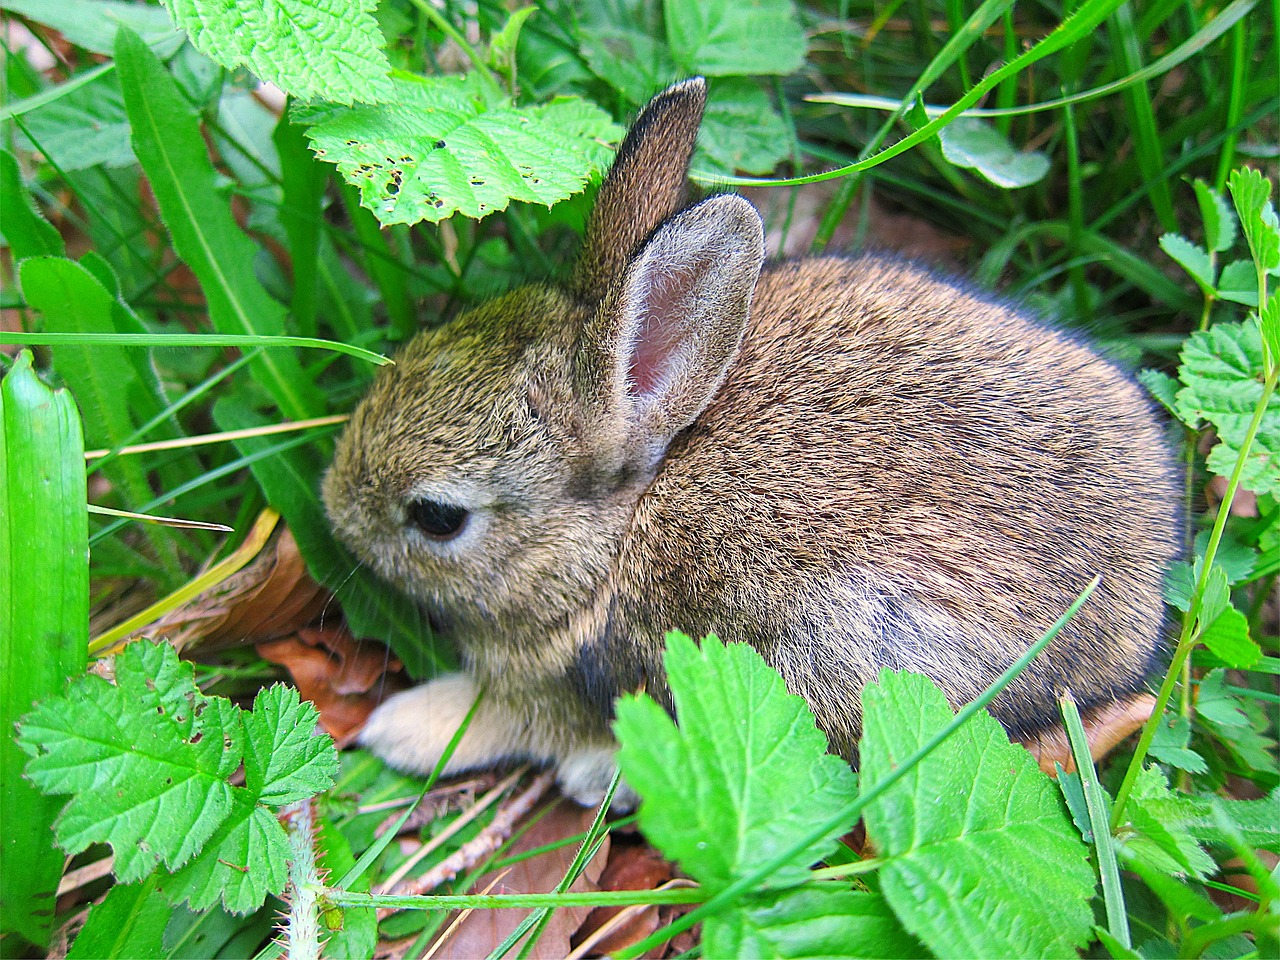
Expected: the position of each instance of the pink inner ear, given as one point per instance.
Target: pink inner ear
(663, 330)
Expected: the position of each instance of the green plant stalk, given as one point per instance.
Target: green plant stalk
(1188, 635)
(302, 926)
(450, 31)
(500, 901)
(189, 340)
(1096, 800)
(851, 811)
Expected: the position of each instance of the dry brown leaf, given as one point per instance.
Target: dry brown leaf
(1104, 727)
(633, 865)
(343, 677)
(483, 930)
(271, 597)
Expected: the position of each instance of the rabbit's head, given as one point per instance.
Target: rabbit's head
(490, 472)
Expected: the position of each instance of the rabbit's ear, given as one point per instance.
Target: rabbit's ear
(646, 185)
(660, 344)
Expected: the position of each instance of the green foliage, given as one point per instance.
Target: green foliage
(977, 145)
(147, 763)
(445, 145)
(998, 869)
(756, 784)
(44, 612)
(328, 49)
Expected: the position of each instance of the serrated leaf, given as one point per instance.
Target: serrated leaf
(1215, 213)
(1257, 820)
(1160, 818)
(308, 48)
(1215, 705)
(629, 60)
(446, 145)
(84, 127)
(809, 921)
(1193, 259)
(1269, 321)
(980, 856)
(1251, 193)
(1162, 387)
(1236, 559)
(1222, 370)
(284, 759)
(139, 777)
(1171, 745)
(740, 129)
(1238, 283)
(745, 774)
(1179, 584)
(242, 862)
(724, 37)
(1227, 638)
(977, 145)
(92, 24)
(1217, 592)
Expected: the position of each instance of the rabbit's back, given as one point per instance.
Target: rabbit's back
(901, 472)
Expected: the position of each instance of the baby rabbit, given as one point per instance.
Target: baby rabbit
(850, 463)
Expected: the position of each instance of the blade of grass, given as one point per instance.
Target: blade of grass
(44, 621)
(849, 814)
(189, 340)
(1099, 823)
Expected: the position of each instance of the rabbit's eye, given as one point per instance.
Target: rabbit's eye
(439, 521)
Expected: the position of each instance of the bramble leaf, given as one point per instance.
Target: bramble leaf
(977, 145)
(731, 38)
(1227, 637)
(309, 48)
(809, 922)
(1161, 819)
(1193, 259)
(1163, 387)
(741, 130)
(448, 144)
(1171, 744)
(147, 761)
(1222, 370)
(1215, 213)
(980, 857)
(743, 777)
(1257, 820)
(1251, 193)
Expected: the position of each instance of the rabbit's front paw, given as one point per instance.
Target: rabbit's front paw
(411, 730)
(584, 777)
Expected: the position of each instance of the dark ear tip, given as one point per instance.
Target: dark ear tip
(692, 91)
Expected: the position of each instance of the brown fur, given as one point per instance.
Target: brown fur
(889, 470)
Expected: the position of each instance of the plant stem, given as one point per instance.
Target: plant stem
(1189, 635)
(449, 30)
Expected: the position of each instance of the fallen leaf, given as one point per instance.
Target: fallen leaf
(482, 930)
(343, 677)
(633, 865)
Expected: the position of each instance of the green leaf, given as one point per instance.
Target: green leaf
(1269, 320)
(244, 861)
(980, 856)
(811, 921)
(147, 763)
(44, 619)
(1215, 704)
(745, 774)
(734, 38)
(502, 45)
(1163, 387)
(975, 144)
(167, 140)
(1193, 259)
(284, 761)
(1238, 283)
(1257, 820)
(144, 773)
(92, 24)
(1215, 213)
(1251, 193)
(1227, 637)
(445, 145)
(84, 128)
(629, 60)
(1171, 745)
(1222, 370)
(25, 229)
(129, 922)
(740, 130)
(306, 48)
(1161, 819)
